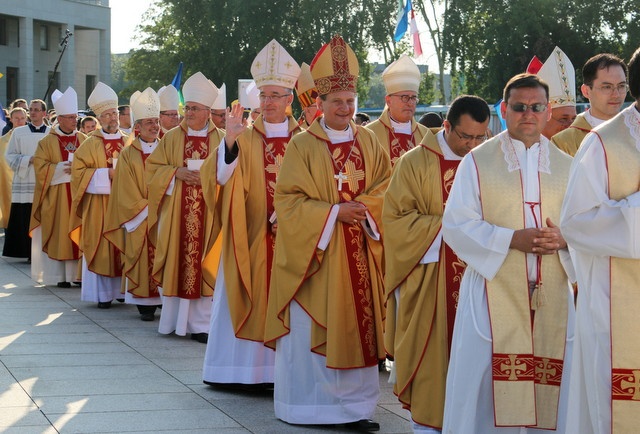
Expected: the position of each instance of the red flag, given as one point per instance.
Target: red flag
(417, 47)
(534, 65)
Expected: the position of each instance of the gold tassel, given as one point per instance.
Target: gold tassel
(538, 297)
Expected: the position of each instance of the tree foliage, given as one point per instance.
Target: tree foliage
(221, 38)
(489, 41)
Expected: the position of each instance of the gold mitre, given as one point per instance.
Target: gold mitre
(145, 105)
(401, 75)
(200, 89)
(102, 98)
(274, 66)
(305, 87)
(560, 75)
(169, 98)
(335, 67)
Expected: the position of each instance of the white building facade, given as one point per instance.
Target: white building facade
(30, 36)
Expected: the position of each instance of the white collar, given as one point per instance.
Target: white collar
(337, 136)
(445, 148)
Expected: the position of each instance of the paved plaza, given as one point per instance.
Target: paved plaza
(68, 367)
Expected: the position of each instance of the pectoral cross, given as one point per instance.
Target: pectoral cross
(340, 177)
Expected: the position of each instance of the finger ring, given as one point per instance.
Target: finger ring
(355, 222)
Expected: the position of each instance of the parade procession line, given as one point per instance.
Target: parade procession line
(68, 367)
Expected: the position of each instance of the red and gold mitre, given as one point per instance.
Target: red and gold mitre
(305, 87)
(335, 68)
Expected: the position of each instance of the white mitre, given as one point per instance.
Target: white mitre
(102, 98)
(169, 98)
(401, 75)
(65, 103)
(221, 101)
(274, 66)
(200, 89)
(559, 74)
(146, 105)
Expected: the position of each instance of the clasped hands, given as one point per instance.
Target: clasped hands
(352, 212)
(540, 241)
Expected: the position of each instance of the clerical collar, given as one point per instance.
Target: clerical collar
(147, 147)
(41, 129)
(199, 133)
(281, 129)
(62, 133)
(337, 136)
(447, 153)
(592, 120)
(400, 127)
(109, 136)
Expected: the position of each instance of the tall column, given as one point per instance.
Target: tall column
(105, 56)
(25, 61)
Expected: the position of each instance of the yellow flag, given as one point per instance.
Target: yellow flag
(1, 75)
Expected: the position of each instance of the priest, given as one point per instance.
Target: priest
(91, 174)
(127, 213)
(422, 279)
(326, 306)
(180, 225)
(246, 168)
(396, 128)
(511, 348)
(50, 215)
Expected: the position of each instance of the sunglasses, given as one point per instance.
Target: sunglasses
(521, 108)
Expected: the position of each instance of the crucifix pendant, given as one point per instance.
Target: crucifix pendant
(340, 177)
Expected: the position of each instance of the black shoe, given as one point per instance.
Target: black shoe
(104, 305)
(78, 284)
(64, 285)
(121, 300)
(254, 388)
(147, 316)
(364, 425)
(200, 337)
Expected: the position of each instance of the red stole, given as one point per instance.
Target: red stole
(192, 224)
(273, 153)
(454, 266)
(351, 164)
(68, 145)
(399, 144)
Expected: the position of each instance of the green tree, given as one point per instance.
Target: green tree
(489, 41)
(221, 38)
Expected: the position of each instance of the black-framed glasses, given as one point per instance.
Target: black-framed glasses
(170, 115)
(408, 98)
(521, 108)
(468, 138)
(220, 115)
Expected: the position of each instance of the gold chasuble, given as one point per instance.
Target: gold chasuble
(341, 288)
(396, 144)
(52, 203)
(623, 164)
(528, 328)
(247, 216)
(180, 224)
(419, 338)
(128, 200)
(88, 210)
(568, 140)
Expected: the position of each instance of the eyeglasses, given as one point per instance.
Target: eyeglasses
(563, 121)
(608, 89)
(276, 97)
(406, 98)
(220, 115)
(188, 109)
(170, 115)
(521, 108)
(468, 138)
(35, 109)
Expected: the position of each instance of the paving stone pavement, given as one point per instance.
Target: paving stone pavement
(68, 367)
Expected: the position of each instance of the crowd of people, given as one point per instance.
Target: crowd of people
(495, 273)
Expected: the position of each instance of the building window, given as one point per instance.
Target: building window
(12, 83)
(3, 31)
(44, 37)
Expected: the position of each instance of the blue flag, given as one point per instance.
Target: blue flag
(177, 80)
(403, 20)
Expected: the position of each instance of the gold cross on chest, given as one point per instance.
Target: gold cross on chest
(353, 175)
(275, 166)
